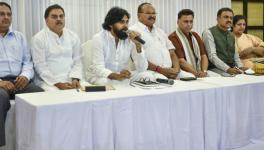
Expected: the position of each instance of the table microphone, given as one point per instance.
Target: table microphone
(166, 81)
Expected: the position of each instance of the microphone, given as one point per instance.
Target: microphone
(137, 38)
(166, 81)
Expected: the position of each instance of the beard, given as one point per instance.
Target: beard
(121, 34)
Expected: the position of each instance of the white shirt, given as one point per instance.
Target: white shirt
(56, 59)
(109, 58)
(157, 44)
(15, 57)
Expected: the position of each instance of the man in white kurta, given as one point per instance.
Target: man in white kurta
(159, 51)
(56, 53)
(112, 49)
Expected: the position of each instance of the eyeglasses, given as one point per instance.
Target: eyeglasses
(57, 16)
(228, 17)
(149, 14)
(2, 14)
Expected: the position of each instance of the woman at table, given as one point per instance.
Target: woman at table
(248, 46)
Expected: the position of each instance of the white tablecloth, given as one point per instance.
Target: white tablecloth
(207, 114)
(10, 129)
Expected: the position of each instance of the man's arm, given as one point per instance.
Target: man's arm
(174, 60)
(138, 56)
(237, 60)
(7, 85)
(187, 67)
(27, 71)
(168, 72)
(204, 62)
(27, 64)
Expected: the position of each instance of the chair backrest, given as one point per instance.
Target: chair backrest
(87, 59)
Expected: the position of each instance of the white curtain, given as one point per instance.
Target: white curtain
(86, 16)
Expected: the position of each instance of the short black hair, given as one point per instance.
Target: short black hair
(185, 12)
(114, 15)
(141, 5)
(50, 8)
(5, 4)
(220, 11)
(236, 18)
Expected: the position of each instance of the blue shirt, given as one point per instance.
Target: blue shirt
(15, 57)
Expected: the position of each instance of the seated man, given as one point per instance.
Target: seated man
(189, 46)
(16, 69)
(158, 48)
(56, 53)
(220, 45)
(112, 49)
(249, 47)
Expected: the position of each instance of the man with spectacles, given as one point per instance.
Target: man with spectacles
(56, 53)
(16, 69)
(159, 50)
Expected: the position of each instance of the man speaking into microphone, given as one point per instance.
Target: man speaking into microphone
(162, 60)
(112, 48)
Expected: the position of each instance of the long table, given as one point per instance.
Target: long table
(214, 113)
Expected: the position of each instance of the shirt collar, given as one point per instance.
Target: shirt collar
(55, 34)
(109, 34)
(10, 32)
(187, 35)
(222, 31)
(145, 28)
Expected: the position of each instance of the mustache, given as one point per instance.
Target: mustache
(150, 18)
(6, 20)
(228, 22)
(58, 22)
(124, 29)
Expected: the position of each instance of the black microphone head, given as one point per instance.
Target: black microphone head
(140, 40)
(170, 81)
